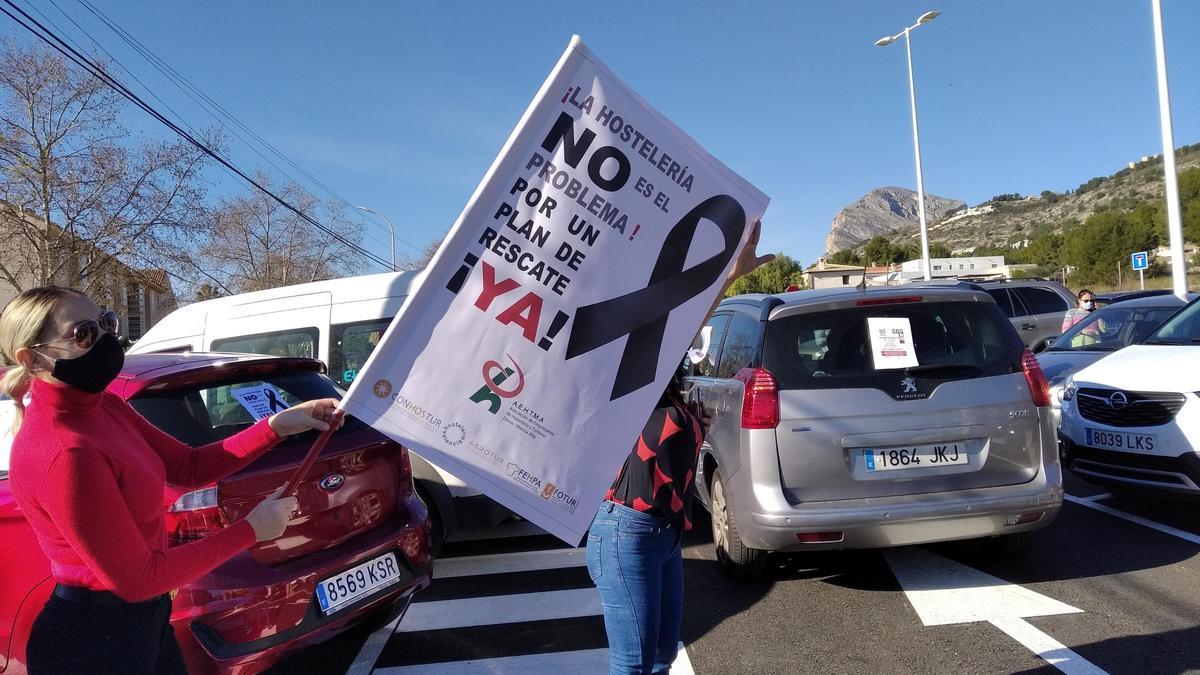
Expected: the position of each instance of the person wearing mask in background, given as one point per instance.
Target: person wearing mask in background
(633, 545)
(88, 472)
(1087, 305)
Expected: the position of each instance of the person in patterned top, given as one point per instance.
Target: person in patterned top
(633, 546)
(657, 476)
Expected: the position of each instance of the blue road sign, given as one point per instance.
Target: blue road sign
(1141, 261)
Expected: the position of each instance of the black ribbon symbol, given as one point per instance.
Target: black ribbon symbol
(273, 400)
(642, 314)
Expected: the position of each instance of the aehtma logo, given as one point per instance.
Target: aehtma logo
(495, 375)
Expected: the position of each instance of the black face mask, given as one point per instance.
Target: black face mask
(93, 371)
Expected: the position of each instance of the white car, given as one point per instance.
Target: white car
(1131, 421)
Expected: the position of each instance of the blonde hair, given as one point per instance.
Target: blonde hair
(22, 324)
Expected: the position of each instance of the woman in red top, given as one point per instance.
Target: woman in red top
(88, 472)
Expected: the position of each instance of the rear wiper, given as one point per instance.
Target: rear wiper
(935, 367)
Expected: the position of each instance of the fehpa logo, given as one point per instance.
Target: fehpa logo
(495, 375)
(530, 481)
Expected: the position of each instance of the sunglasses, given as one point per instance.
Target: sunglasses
(85, 333)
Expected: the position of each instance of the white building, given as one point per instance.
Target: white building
(972, 267)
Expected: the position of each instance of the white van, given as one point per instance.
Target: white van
(339, 322)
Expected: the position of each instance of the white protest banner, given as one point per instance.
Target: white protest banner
(891, 342)
(568, 290)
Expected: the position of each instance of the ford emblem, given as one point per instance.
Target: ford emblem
(332, 482)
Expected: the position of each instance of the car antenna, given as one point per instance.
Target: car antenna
(862, 285)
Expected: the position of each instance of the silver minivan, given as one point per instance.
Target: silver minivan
(814, 443)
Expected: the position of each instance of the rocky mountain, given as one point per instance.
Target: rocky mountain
(1012, 220)
(884, 211)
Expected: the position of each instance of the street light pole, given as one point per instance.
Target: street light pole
(390, 228)
(1171, 183)
(912, 97)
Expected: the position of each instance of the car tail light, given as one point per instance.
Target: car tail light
(820, 537)
(406, 482)
(1039, 386)
(760, 402)
(195, 515)
(888, 301)
(1024, 518)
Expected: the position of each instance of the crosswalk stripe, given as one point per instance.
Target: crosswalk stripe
(554, 663)
(502, 563)
(500, 609)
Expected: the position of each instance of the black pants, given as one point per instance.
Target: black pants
(90, 632)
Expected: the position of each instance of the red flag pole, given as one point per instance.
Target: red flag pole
(310, 458)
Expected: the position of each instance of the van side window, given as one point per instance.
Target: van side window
(300, 342)
(702, 358)
(740, 344)
(1000, 295)
(1040, 300)
(349, 346)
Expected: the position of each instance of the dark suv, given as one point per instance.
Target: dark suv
(1034, 306)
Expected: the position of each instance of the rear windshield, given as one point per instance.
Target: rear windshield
(832, 350)
(215, 411)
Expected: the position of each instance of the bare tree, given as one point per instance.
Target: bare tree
(75, 191)
(419, 261)
(254, 243)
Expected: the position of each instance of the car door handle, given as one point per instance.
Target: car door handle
(1028, 326)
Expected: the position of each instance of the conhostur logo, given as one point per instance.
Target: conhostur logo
(495, 375)
(382, 389)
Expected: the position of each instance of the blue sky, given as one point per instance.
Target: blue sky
(402, 106)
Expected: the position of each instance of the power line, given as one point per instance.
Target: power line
(216, 109)
(95, 70)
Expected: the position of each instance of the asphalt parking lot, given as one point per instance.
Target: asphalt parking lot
(1111, 586)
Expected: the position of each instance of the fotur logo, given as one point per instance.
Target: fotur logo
(495, 375)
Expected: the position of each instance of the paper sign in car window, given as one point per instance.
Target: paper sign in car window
(696, 354)
(261, 400)
(891, 342)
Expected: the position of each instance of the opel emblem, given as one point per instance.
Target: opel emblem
(1118, 400)
(332, 482)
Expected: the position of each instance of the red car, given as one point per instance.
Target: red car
(357, 547)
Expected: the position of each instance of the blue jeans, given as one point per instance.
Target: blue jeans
(635, 561)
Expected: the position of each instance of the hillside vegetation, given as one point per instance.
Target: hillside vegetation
(1091, 229)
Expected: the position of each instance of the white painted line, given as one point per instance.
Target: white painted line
(501, 563)
(1146, 522)
(682, 664)
(1096, 498)
(942, 591)
(1054, 652)
(501, 609)
(554, 663)
(372, 648)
